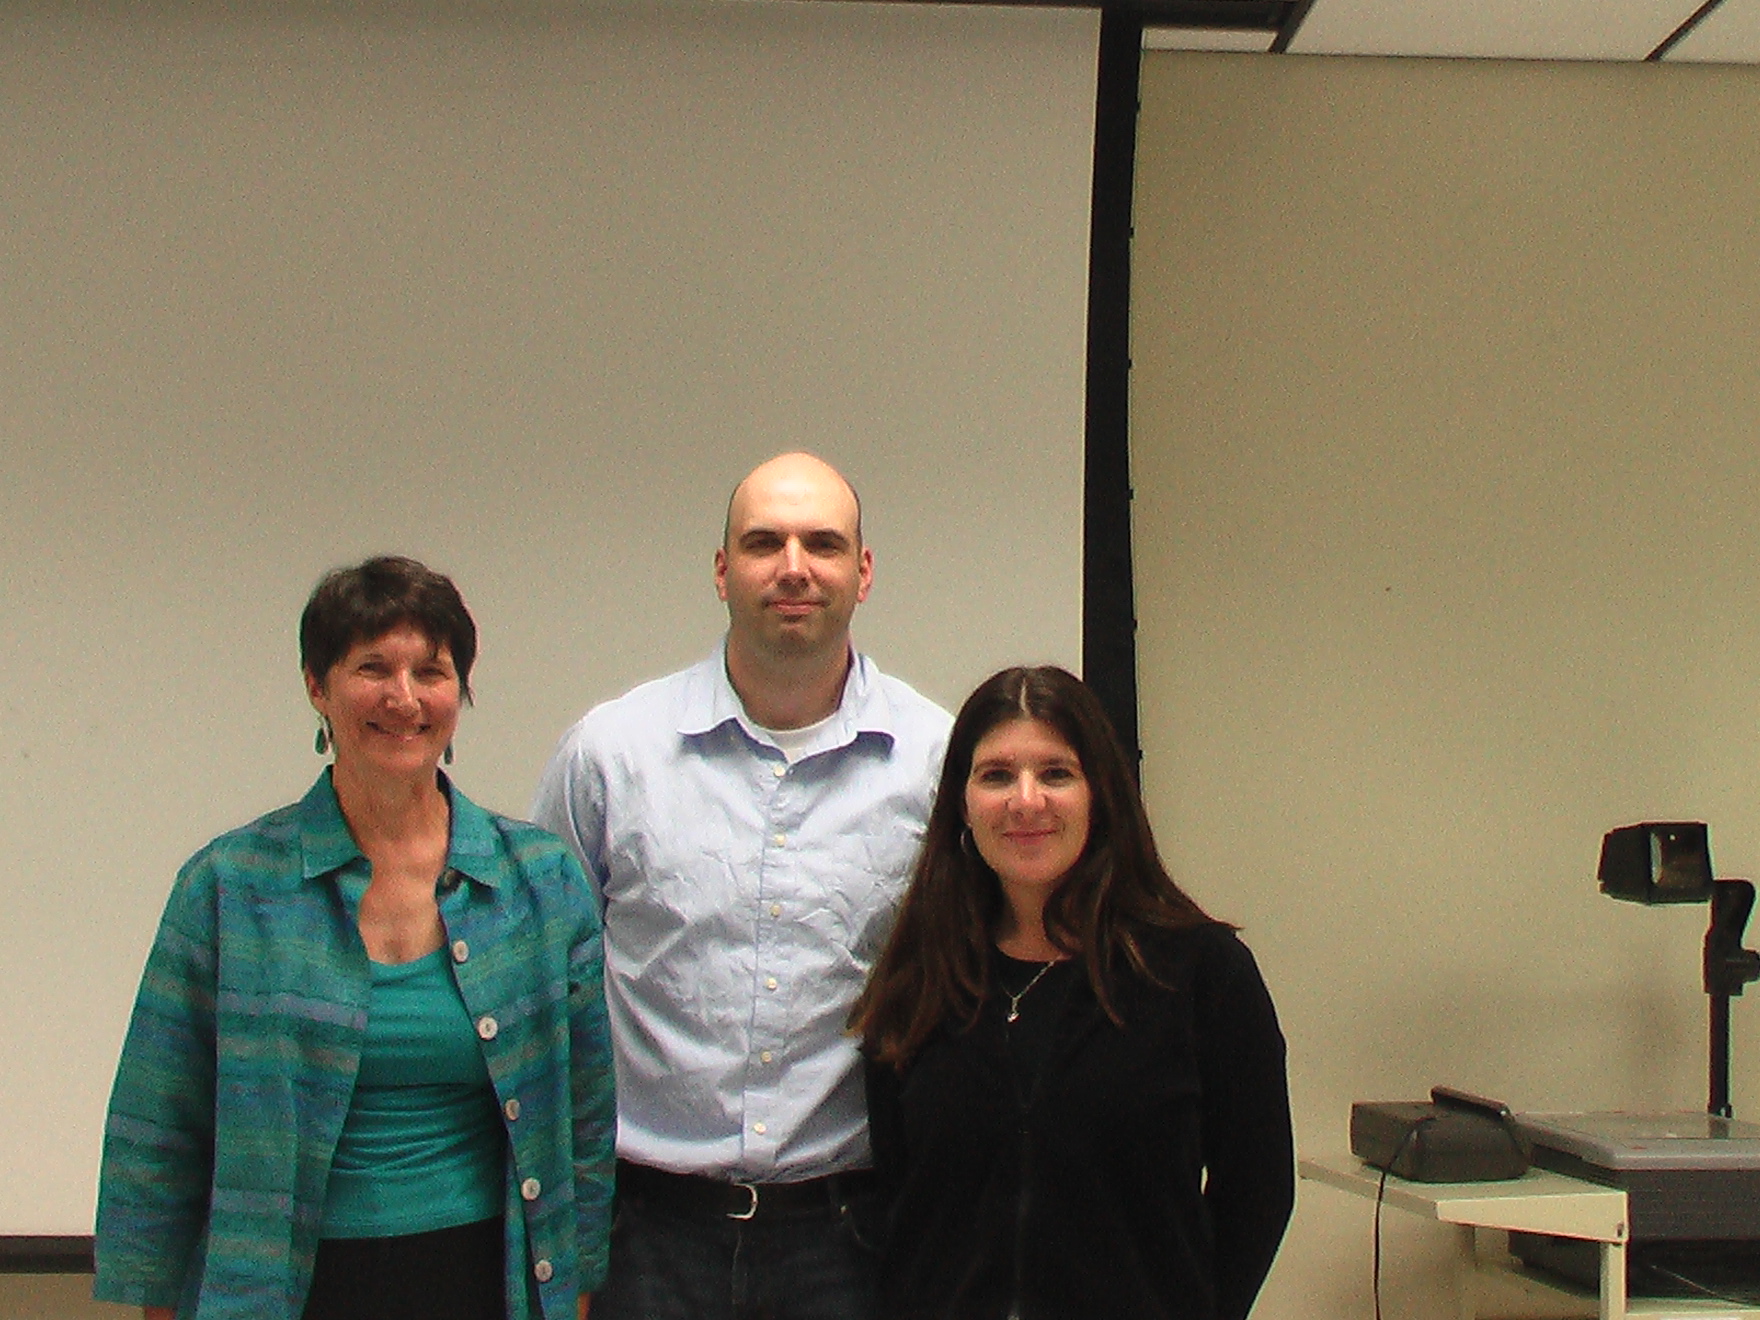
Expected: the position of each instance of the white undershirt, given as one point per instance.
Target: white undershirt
(796, 743)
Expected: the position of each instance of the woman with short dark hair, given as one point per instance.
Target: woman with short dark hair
(368, 1075)
(1077, 1094)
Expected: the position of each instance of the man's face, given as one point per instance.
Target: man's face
(793, 569)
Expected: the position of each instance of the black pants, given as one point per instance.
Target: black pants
(449, 1274)
(670, 1262)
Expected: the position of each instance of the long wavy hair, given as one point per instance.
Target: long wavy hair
(937, 963)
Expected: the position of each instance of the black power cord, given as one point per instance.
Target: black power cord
(1381, 1196)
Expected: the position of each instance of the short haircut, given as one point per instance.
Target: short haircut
(354, 605)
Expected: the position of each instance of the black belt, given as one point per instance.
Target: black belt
(693, 1194)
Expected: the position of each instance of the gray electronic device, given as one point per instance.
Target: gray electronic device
(1684, 1175)
(1692, 1185)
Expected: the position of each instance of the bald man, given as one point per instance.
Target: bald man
(750, 823)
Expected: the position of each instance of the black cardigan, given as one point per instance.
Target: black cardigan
(1150, 1175)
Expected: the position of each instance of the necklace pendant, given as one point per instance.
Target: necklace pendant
(1014, 1000)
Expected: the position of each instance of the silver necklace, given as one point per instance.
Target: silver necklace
(1014, 1000)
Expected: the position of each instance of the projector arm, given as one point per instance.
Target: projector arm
(1728, 966)
(1728, 969)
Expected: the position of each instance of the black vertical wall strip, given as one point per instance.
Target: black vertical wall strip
(1109, 620)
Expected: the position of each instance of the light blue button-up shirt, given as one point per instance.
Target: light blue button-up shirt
(745, 899)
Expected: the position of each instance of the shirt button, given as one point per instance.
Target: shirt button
(769, 982)
(776, 909)
(779, 838)
(530, 1189)
(460, 951)
(542, 1271)
(487, 1027)
(511, 1109)
(759, 1128)
(766, 1056)
(779, 770)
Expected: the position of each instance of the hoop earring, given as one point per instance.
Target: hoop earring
(968, 845)
(323, 742)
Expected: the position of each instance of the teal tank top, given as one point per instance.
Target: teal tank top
(422, 1147)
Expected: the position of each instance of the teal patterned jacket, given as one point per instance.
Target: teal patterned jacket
(246, 1036)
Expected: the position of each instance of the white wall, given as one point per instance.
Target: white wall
(523, 294)
(1448, 534)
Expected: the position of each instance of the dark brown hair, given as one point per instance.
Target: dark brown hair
(937, 962)
(354, 605)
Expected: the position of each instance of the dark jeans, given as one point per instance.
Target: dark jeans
(449, 1274)
(809, 1264)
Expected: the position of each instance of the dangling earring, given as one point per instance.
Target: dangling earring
(321, 743)
(968, 845)
(446, 756)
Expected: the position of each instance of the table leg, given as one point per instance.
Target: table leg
(1467, 1272)
(1613, 1281)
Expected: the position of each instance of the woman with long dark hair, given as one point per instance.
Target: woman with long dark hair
(1076, 1078)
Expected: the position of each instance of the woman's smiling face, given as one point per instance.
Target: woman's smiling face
(1027, 804)
(392, 702)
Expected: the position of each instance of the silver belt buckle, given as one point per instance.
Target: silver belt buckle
(752, 1209)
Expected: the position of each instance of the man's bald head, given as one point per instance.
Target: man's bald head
(799, 472)
(792, 569)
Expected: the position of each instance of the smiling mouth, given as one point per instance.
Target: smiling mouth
(401, 734)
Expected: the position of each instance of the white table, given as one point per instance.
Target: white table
(1537, 1202)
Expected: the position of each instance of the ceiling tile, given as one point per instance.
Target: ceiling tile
(1729, 34)
(1516, 29)
(1172, 38)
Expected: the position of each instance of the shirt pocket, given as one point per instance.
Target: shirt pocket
(884, 861)
(863, 904)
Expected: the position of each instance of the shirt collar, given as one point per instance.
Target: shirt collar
(863, 709)
(326, 845)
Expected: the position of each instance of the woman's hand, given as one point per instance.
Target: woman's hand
(586, 1304)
